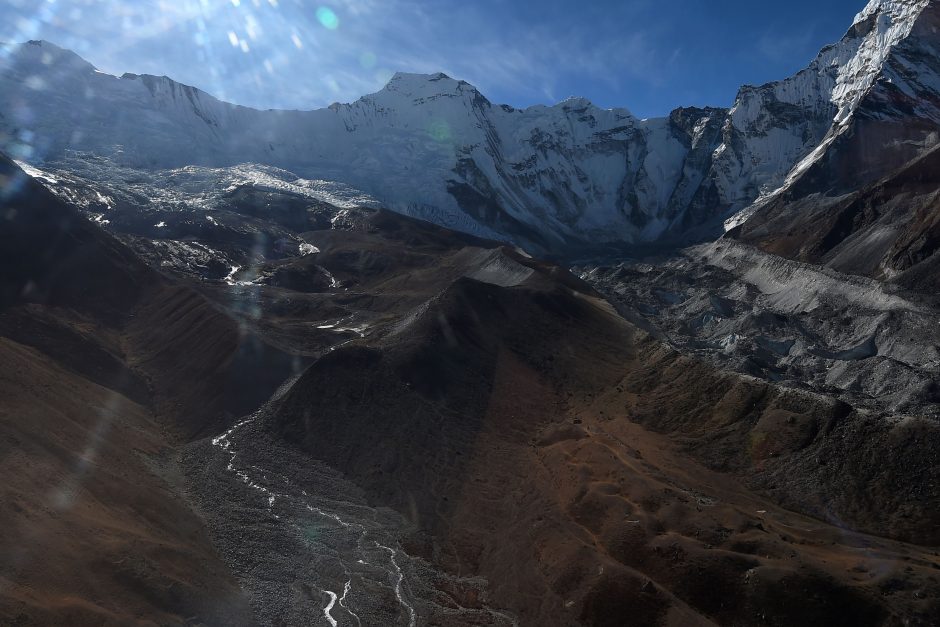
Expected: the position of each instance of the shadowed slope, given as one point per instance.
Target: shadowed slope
(888, 230)
(592, 475)
(94, 350)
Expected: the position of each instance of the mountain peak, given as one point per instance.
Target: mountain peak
(862, 54)
(417, 76)
(575, 102)
(40, 52)
(844, 72)
(428, 85)
(893, 10)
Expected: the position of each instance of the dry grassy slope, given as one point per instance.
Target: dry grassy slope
(93, 533)
(815, 455)
(94, 343)
(506, 419)
(80, 295)
(204, 370)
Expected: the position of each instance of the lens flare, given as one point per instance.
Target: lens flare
(328, 18)
(367, 60)
(439, 131)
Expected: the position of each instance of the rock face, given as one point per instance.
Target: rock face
(557, 179)
(888, 230)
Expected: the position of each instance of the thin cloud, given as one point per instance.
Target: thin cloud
(778, 46)
(278, 54)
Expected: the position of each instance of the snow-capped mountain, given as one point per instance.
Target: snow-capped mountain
(863, 108)
(864, 200)
(553, 178)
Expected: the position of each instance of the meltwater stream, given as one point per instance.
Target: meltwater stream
(368, 556)
(308, 549)
(305, 545)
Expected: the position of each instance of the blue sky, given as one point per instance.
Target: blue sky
(649, 56)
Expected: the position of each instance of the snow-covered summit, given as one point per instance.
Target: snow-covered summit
(39, 52)
(425, 85)
(794, 123)
(406, 89)
(862, 53)
(894, 10)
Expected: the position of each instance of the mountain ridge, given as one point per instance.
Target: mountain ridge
(554, 179)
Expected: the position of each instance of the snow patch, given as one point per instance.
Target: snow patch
(35, 172)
